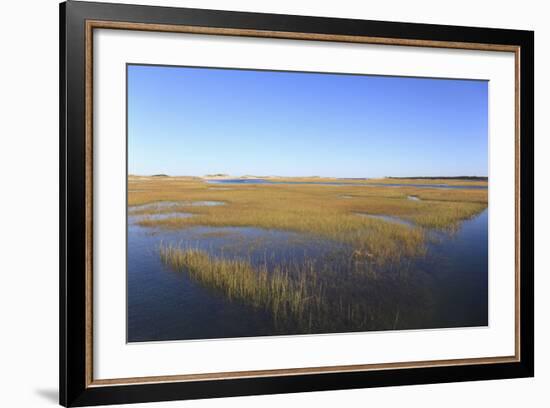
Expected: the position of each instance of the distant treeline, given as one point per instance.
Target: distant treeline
(476, 178)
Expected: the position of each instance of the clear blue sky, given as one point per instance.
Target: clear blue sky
(197, 121)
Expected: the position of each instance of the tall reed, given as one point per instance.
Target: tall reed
(306, 297)
(238, 280)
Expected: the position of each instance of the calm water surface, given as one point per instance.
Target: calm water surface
(446, 288)
(344, 183)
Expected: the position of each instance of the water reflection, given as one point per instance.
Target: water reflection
(387, 218)
(162, 205)
(445, 288)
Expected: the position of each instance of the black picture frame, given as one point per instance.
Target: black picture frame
(75, 389)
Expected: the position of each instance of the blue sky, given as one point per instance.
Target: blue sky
(197, 121)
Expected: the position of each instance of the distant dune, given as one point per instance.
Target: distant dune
(455, 180)
(471, 178)
(229, 177)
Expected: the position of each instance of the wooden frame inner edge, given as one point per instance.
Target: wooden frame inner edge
(91, 24)
(89, 205)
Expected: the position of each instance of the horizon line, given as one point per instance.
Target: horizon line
(309, 176)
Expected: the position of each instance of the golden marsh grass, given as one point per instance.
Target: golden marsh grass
(303, 297)
(313, 209)
(239, 280)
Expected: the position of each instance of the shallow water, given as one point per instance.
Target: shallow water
(159, 205)
(446, 288)
(344, 183)
(163, 216)
(168, 305)
(388, 218)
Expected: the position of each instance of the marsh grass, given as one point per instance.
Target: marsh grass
(306, 296)
(238, 280)
(449, 182)
(361, 274)
(315, 210)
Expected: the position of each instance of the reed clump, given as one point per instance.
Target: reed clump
(284, 296)
(305, 297)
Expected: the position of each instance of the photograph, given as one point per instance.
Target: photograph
(277, 203)
(256, 202)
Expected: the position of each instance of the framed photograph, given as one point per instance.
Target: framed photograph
(256, 203)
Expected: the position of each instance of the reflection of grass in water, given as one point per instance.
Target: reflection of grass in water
(306, 297)
(317, 210)
(239, 280)
(216, 234)
(381, 239)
